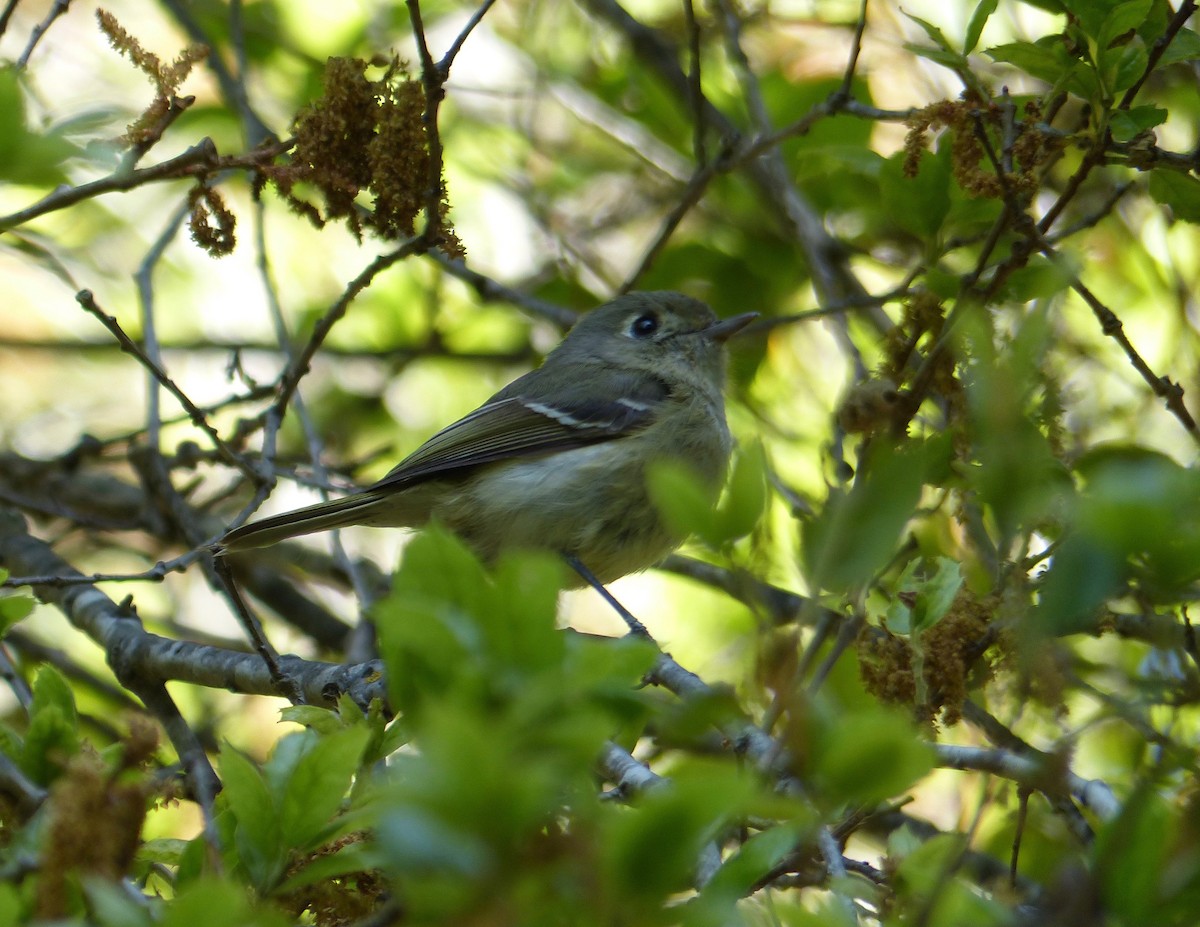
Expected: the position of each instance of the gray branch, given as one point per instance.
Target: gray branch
(137, 655)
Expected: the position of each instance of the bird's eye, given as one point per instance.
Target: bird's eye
(644, 325)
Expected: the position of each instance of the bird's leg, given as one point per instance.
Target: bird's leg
(635, 627)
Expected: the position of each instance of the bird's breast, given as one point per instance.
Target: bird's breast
(590, 501)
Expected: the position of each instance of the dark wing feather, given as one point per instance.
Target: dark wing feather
(514, 425)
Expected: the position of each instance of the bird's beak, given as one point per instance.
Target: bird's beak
(725, 329)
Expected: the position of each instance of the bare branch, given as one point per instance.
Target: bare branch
(201, 160)
(57, 10)
(195, 413)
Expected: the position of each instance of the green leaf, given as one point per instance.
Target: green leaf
(979, 18)
(1131, 853)
(53, 733)
(258, 838)
(1082, 575)
(685, 503)
(165, 850)
(1090, 14)
(1128, 124)
(1040, 278)
(948, 59)
(1124, 66)
(111, 905)
(654, 852)
(52, 691)
(485, 639)
(1184, 47)
(520, 620)
(417, 842)
(1047, 60)
(354, 857)
(938, 593)
(13, 606)
(1144, 508)
(931, 595)
(754, 859)
(428, 633)
(314, 717)
(1044, 60)
(215, 901)
(1125, 17)
(318, 784)
(437, 565)
(1181, 192)
(918, 204)
(856, 533)
(1017, 474)
(745, 495)
(1136, 522)
(867, 756)
(935, 34)
(10, 905)
(26, 157)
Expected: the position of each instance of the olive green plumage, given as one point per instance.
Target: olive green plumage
(557, 459)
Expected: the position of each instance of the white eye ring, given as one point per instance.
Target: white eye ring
(644, 325)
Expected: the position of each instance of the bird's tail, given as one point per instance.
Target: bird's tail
(324, 516)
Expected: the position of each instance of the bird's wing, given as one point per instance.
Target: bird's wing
(515, 425)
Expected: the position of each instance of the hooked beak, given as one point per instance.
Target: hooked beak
(725, 329)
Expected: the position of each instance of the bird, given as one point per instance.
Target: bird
(557, 460)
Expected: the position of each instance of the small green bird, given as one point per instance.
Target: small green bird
(557, 459)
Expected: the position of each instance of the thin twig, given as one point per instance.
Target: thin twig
(6, 15)
(57, 10)
(1182, 15)
(258, 638)
(196, 414)
(731, 25)
(491, 290)
(433, 80)
(299, 366)
(144, 279)
(695, 89)
(687, 199)
(456, 46)
(312, 438)
(860, 28)
(201, 160)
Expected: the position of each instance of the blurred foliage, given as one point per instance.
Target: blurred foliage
(962, 515)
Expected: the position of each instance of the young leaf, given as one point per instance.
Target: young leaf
(53, 733)
(919, 204)
(13, 606)
(51, 691)
(683, 501)
(1180, 192)
(979, 18)
(855, 534)
(745, 495)
(1128, 124)
(256, 835)
(868, 755)
(936, 594)
(1125, 17)
(1044, 60)
(214, 901)
(935, 34)
(318, 784)
(1184, 47)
